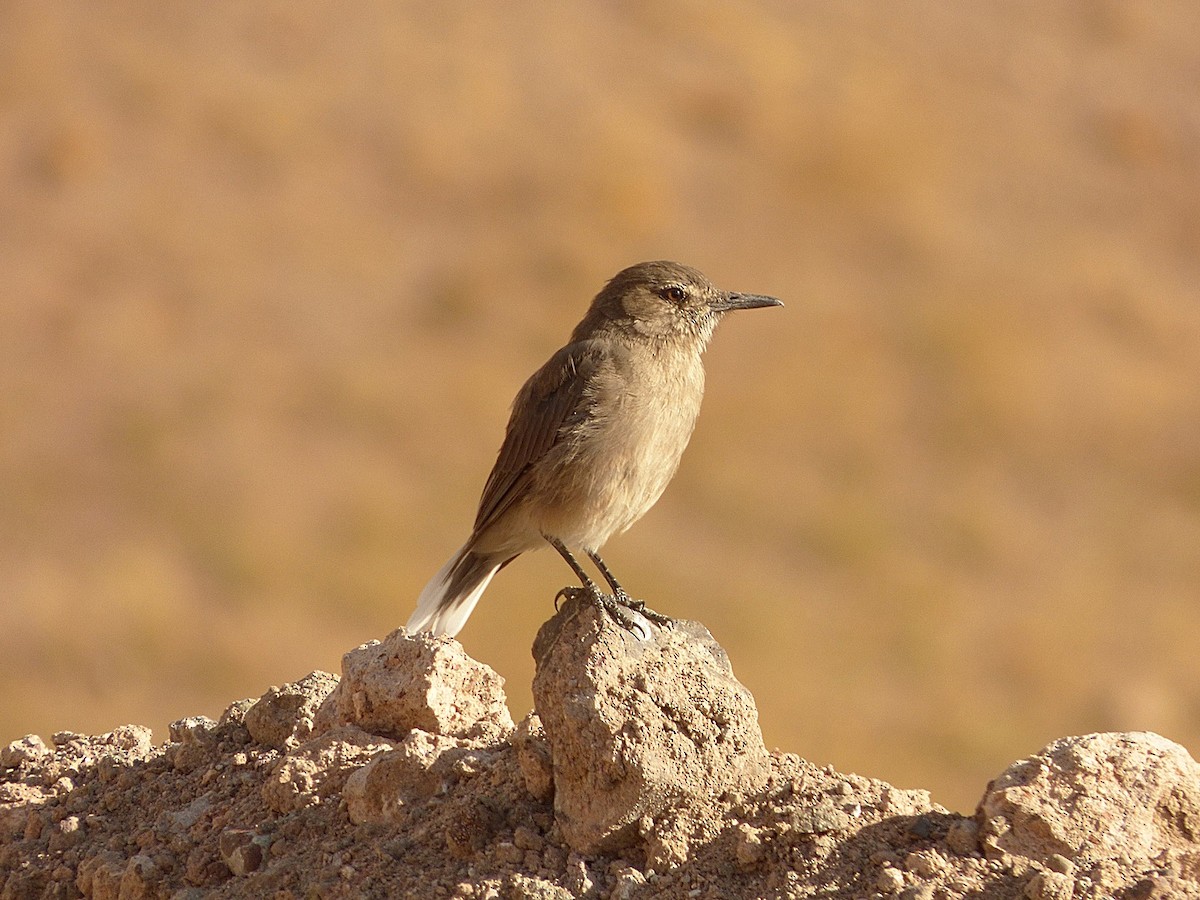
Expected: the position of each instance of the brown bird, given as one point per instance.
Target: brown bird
(594, 437)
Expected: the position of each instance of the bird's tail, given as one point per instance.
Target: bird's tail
(451, 595)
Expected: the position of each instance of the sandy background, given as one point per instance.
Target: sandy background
(272, 274)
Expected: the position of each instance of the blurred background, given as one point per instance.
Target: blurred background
(273, 272)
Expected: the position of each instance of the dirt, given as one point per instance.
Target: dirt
(273, 273)
(643, 774)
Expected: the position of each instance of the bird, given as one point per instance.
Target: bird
(593, 439)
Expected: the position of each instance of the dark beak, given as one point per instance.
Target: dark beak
(744, 301)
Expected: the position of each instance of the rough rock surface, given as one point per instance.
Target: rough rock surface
(406, 682)
(1096, 800)
(283, 716)
(410, 787)
(638, 728)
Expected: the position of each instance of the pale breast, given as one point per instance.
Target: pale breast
(618, 463)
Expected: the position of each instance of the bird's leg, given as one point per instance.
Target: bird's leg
(618, 592)
(622, 597)
(585, 580)
(611, 605)
(588, 585)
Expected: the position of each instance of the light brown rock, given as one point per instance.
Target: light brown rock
(16, 800)
(283, 716)
(533, 757)
(318, 768)
(100, 876)
(638, 727)
(133, 742)
(27, 749)
(139, 879)
(376, 792)
(97, 872)
(242, 850)
(1129, 796)
(418, 681)
(349, 813)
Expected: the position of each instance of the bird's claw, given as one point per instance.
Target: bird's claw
(565, 593)
(639, 606)
(631, 615)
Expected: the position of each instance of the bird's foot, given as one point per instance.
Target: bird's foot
(639, 606)
(567, 593)
(628, 614)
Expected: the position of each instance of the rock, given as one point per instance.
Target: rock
(667, 842)
(963, 837)
(133, 741)
(348, 813)
(533, 757)
(376, 792)
(100, 876)
(243, 849)
(525, 838)
(636, 727)
(193, 741)
(889, 881)
(16, 801)
(186, 816)
(318, 768)
(823, 817)
(139, 879)
(192, 730)
(924, 864)
(27, 749)
(420, 682)
(526, 887)
(235, 712)
(749, 847)
(1131, 796)
(1049, 886)
(85, 874)
(471, 828)
(283, 716)
(627, 883)
(66, 834)
(578, 879)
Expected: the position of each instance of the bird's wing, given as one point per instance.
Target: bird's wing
(554, 396)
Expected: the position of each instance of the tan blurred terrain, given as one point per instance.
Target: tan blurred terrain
(272, 275)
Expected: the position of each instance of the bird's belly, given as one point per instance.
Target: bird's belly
(608, 478)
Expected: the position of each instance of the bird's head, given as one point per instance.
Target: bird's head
(666, 300)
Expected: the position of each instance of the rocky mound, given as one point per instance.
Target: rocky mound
(643, 774)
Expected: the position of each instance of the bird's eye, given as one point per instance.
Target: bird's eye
(674, 293)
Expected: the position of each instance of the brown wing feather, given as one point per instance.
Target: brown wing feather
(553, 396)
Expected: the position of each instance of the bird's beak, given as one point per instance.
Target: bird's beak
(734, 300)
